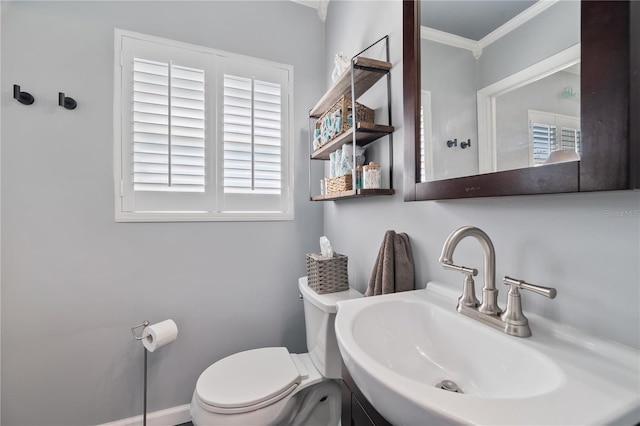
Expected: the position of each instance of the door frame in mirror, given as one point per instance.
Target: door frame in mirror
(487, 98)
(606, 67)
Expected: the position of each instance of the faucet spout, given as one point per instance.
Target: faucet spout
(489, 303)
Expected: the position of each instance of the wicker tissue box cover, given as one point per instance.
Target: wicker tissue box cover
(327, 275)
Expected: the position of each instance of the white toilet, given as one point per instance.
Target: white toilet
(270, 386)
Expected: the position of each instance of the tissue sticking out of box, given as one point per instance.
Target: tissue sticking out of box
(325, 247)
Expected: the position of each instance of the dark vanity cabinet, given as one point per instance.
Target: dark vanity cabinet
(356, 410)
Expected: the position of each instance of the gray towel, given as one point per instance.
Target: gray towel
(393, 270)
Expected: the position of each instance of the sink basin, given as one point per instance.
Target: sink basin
(417, 341)
(420, 362)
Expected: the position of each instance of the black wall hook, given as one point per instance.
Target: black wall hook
(22, 97)
(451, 143)
(466, 144)
(68, 103)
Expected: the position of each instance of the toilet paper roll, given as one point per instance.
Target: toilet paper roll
(158, 335)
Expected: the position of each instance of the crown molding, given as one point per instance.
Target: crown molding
(319, 5)
(451, 40)
(518, 20)
(476, 46)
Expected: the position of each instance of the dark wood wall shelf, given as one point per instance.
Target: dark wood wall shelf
(365, 134)
(366, 73)
(363, 75)
(353, 194)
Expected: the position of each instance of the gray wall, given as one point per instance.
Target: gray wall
(586, 245)
(73, 281)
(449, 73)
(550, 32)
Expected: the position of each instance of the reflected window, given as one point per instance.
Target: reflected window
(553, 138)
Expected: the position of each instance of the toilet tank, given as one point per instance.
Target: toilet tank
(319, 316)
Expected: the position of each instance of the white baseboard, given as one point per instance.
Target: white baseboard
(169, 417)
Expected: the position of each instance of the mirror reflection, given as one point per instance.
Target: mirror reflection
(500, 86)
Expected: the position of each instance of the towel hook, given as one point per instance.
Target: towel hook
(66, 102)
(23, 97)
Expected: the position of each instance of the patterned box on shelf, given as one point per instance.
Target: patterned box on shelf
(340, 183)
(327, 275)
(337, 119)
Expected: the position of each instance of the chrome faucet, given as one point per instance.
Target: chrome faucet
(512, 321)
(489, 303)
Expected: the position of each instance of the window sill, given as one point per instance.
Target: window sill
(202, 217)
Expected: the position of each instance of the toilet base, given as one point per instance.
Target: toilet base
(319, 405)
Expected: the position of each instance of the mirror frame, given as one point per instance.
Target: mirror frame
(609, 97)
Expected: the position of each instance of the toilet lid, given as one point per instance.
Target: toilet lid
(248, 378)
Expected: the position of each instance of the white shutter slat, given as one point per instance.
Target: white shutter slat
(150, 98)
(150, 108)
(188, 113)
(153, 138)
(155, 149)
(155, 80)
(151, 89)
(188, 123)
(155, 178)
(187, 151)
(187, 94)
(186, 141)
(146, 118)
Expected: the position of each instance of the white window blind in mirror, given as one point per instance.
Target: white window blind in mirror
(553, 133)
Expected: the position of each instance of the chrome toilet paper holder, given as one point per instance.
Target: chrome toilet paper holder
(143, 325)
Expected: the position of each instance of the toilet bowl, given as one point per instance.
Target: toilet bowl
(270, 386)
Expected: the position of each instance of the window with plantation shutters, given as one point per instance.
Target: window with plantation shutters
(200, 134)
(550, 132)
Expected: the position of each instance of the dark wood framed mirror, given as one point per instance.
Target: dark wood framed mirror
(609, 114)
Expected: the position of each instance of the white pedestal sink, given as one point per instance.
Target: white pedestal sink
(398, 347)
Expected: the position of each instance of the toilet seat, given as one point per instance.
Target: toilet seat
(247, 381)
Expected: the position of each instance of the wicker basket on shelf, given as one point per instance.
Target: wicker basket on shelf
(343, 104)
(327, 275)
(340, 183)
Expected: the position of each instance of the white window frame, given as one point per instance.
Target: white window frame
(124, 212)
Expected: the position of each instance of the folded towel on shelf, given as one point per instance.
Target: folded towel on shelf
(393, 270)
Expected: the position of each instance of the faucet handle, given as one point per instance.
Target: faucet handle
(463, 269)
(516, 323)
(544, 291)
(468, 297)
